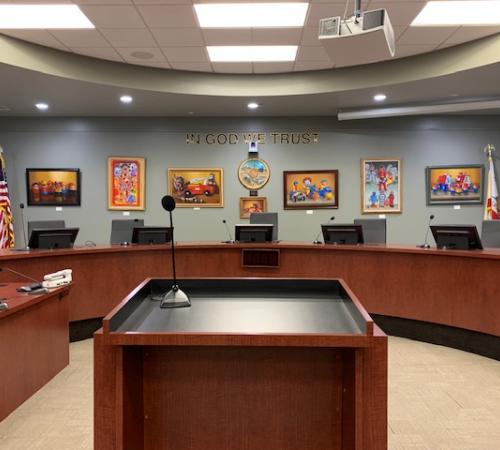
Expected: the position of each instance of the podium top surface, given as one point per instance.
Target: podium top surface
(242, 307)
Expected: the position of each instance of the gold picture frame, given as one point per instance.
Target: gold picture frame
(381, 185)
(126, 183)
(196, 187)
(250, 205)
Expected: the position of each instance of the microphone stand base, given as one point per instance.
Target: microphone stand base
(317, 242)
(424, 246)
(175, 298)
(231, 241)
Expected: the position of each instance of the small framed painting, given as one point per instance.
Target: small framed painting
(381, 185)
(249, 205)
(455, 185)
(126, 182)
(310, 189)
(198, 187)
(53, 187)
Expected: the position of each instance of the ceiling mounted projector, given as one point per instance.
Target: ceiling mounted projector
(360, 39)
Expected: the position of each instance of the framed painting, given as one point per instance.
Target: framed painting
(310, 189)
(249, 205)
(254, 173)
(126, 182)
(454, 185)
(381, 185)
(201, 187)
(53, 187)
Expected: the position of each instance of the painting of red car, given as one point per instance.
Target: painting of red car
(201, 189)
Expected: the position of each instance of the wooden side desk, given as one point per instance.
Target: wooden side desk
(34, 344)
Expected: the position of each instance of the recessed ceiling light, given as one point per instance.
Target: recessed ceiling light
(251, 15)
(452, 13)
(126, 99)
(379, 97)
(253, 53)
(253, 105)
(42, 16)
(42, 106)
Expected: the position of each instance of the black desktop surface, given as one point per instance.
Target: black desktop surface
(244, 306)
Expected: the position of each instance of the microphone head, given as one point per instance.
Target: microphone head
(431, 216)
(21, 205)
(223, 220)
(168, 203)
(332, 218)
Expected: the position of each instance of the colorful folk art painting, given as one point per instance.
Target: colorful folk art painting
(455, 184)
(311, 189)
(126, 183)
(196, 187)
(381, 182)
(53, 187)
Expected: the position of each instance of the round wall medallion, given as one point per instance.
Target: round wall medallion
(254, 173)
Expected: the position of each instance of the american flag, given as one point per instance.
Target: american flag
(491, 207)
(6, 226)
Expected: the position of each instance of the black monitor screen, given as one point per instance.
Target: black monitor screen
(456, 237)
(151, 235)
(53, 238)
(254, 232)
(342, 234)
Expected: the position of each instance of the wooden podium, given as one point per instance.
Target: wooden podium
(253, 364)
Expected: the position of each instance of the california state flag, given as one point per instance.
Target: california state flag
(491, 209)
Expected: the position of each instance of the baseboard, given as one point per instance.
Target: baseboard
(466, 340)
(83, 329)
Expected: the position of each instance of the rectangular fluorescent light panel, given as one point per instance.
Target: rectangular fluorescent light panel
(453, 13)
(251, 15)
(252, 53)
(42, 17)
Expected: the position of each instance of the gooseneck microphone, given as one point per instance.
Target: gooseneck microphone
(26, 247)
(175, 298)
(317, 241)
(426, 244)
(230, 240)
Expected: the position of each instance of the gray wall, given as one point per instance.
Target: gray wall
(86, 143)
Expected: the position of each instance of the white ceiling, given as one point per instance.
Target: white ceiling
(165, 34)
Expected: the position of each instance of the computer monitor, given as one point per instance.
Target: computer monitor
(151, 235)
(121, 230)
(456, 237)
(374, 230)
(32, 224)
(53, 238)
(342, 234)
(266, 217)
(254, 232)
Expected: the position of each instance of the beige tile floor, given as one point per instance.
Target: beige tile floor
(439, 399)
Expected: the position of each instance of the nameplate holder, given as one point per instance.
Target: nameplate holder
(260, 257)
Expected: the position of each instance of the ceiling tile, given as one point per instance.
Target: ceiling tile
(113, 16)
(164, 2)
(425, 35)
(217, 36)
(80, 38)
(322, 10)
(41, 37)
(138, 55)
(408, 50)
(400, 12)
(276, 36)
(102, 53)
(168, 16)
(129, 38)
(312, 65)
(185, 54)
(273, 67)
(232, 67)
(463, 34)
(192, 66)
(316, 53)
(159, 65)
(310, 36)
(178, 37)
(94, 2)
